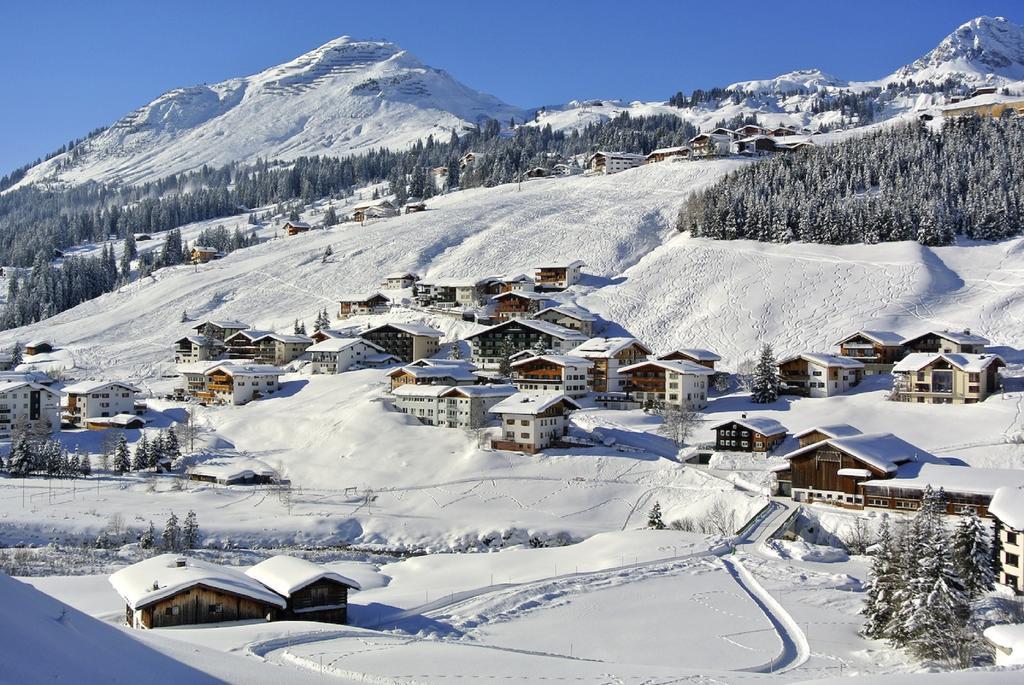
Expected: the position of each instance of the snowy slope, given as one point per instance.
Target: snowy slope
(342, 97)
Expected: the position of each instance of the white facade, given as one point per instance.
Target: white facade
(197, 348)
(613, 162)
(685, 384)
(573, 318)
(823, 375)
(93, 399)
(530, 423)
(559, 274)
(32, 404)
(337, 355)
(451, 406)
(570, 378)
(234, 384)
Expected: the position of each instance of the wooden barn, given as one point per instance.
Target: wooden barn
(296, 227)
(170, 590)
(756, 434)
(312, 592)
(38, 347)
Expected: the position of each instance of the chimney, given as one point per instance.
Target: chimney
(967, 331)
(744, 416)
(180, 562)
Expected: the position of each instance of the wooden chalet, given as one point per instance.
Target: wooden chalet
(819, 374)
(496, 343)
(448, 372)
(221, 329)
(877, 350)
(710, 145)
(666, 153)
(296, 227)
(679, 384)
(370, 303)
(521, 304)
(692, 354)
(379, 209)
(947, 341)
(537, 172)
(38, 347)
(744, 434)
(311, 592)
(550, 373)
(201, 254)
(826, 432)
(609, 355)
(413, 207)
(759, 144)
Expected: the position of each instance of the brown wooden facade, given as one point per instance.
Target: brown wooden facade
(817, 469)
(324, 600)
(515, 306)
(200, 604)
(676, 356)
(735, 437)
(869, 351)
(350, 308)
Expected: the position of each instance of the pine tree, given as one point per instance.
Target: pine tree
(74, 465)
(330, 219)
(140, 460)
(156, 451)
(16, 354)
(654, 517)
(454, 350)
(327, 255)
(171, 537)
(19, 464)
(972, 556)
(190, 531)
(765, 385)
(885, 578)
(122, 461)
(172, 446)
(148, 537)
(508, 348)
(85, 464)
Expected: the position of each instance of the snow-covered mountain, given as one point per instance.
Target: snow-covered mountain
(342, 97)
(983, 50)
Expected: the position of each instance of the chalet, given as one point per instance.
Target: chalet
(296, 227)
(311, 592)
(959, 342)
(328, 333)
(568, 316)
(234, 471)
(446, 372)
(558, 275)
(414, 207)
(197, 348)
(193, 378)
(602, 162)
(946, 378)
(32, 404)
(988, 105)
(378, 209)
(570, 169)
(784, 145)
(337, 355)
(267, 347)
(142, 237)
(98, 399)
(491, 345)
(531, 423)
(470, 159)
(367, 303)
(170, 590)
(783, 131)
(552, 373)
(664, 153)
(757, 434)
(220, 329)
(521, 304)
(877, 350)
(710, 145)
(6, 361)
(966, 489)
(1007, 509)
(407, 341)
(439, 174)
(117, 422)
(38, 347)
(400, 280)
(237, 384)
(680, 384)
(462, 406)
(201, 255)
(826, 432)
(537, 172)
(451, 292)
(518, 283)
(609, 356)
(692, 354)
(727, 132)
(755, 145)
(818, 374)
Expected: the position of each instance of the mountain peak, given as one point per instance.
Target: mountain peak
(983, 49)
(801, 79)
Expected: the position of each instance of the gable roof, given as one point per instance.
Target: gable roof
(676, 366)
(9, 385)
(1008, 506)
(200, 341)
(885, 338)
(339, 344)
(286, 575)
(969, 363)
(233, 468)
(456, 373)
(395, 275)
(825, 359)
(498, 390)
(952, 478)
(421, 390)
(564, 263)
(832, 430)
(84, 387)
(964, 337)
(159, 577)
(884, 451)
(568, 311)
(256, 335)
(523, 403)
(363, 297)
(758, 424)
(557, 360)
(246, 369)
(601, 348)
(538, 325)
(694, 353)
(221, 323)
(412, 328)
(523, 294)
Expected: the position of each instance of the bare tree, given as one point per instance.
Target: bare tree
(677, 424)
(745, 374)
(720, 519)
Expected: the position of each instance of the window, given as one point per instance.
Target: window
(877, 502)
(524, 436)
(524, 422)
(171, 611)
(216, 608)
(1011, 559)
(1011, 538)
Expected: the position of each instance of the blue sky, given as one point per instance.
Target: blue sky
(69, 67)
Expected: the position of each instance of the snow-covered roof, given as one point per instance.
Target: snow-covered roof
(983, 100)
(412, 328)
(37, 343)
(668, 150)
(359, 298)
(85, 387)
(721, 137)
(1007, 635)
(676, 366)
(564, 263)
(1008, 506)
(117, 420)
(297, 224)
(159, 577)
(256, 335)
(964, 337)
(539, 325)
(615, 155)
(228, 469)
(203, 248)
(825, 359)
(200, 340)
(234, 370)
(286, 575)
(569, 311)
(758, 424)
(557, 360)
(964, 479)
(482, 391)
(832, 430)
(338, 344)
(221, 323)
(395, 275)
(428, 361)
(884, 451)
(421, 390)
(970, 363)
(601, 348)
(854, 473)
(454, 282)
(202, 367)
(695, 353)
(524, 403)
(456, 373)
(7, 386)
(524, 294)
(885, 338)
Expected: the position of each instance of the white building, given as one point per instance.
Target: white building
(568, 316)
(400, 280)
(558, 275)
(530, 423)
(1007, 508)
(552, 374)
(336, 355)
(676, 383)
(32, 404)
(819, 374)
(609, 356)
(98, 399)
(228, 383)
(197, 348)
(448, 406)
(603, 162)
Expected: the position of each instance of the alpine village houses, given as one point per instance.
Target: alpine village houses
(744, 434)
(496, 343)
(406, 341)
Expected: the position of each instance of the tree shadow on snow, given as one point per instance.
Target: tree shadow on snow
(377, 616)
